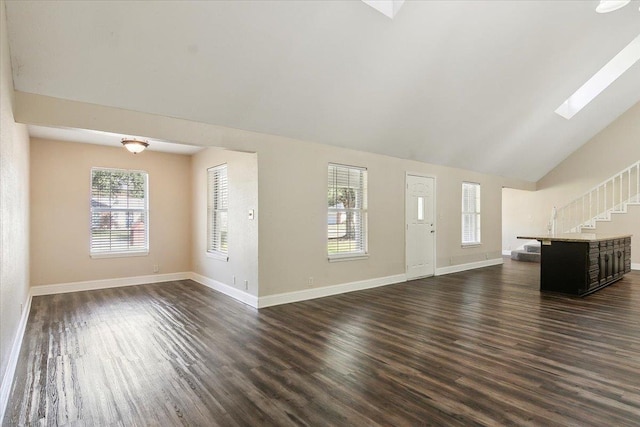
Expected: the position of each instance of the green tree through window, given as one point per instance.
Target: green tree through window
(347, 211)
(119, 212)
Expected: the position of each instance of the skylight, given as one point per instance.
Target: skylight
(386, 7)
(601, 80)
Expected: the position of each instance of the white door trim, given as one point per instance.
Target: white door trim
(435, 217)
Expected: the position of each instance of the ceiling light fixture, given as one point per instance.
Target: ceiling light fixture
(134, 146)
(607, 6)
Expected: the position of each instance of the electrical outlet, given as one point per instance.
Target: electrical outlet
(246, 285)
(310, 281)
(156, 268)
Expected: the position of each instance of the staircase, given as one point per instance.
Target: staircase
(530, 253)
(612, 196)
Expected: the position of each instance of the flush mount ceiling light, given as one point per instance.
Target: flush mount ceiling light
(134, 146)
(606, 6)
(387, 7)
(613, 69)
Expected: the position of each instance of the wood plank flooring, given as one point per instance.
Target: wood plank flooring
(483, 347)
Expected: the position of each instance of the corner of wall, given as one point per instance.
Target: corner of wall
(14, 222)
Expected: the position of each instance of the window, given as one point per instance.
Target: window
(347, 218)
(218, 210)
(119, 212)
(470, 213)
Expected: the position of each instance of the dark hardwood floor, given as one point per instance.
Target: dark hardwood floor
(483, 347)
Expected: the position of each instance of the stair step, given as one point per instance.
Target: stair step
(532, 249)
(525, 256)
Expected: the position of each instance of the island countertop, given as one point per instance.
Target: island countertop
(575, 237)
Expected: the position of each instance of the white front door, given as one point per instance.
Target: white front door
(420, 230)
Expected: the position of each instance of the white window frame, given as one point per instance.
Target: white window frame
(217, 205)
(471, 215)
(359, 211)
(94, 249)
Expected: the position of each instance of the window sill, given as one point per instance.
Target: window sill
(349, 257)
(471, 245)
(218, 255)
(118, 254)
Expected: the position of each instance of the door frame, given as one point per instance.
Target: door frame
(435, 218)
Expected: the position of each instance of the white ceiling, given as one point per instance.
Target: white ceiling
(470, 84)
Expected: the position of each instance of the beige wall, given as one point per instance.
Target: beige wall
(606, 154)
(242, 174)
(14, 210)
(292, 235)
(291, 193)
(293, 179)
(60, 221)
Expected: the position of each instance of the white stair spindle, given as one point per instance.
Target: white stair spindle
(629, 185)
(620, 207)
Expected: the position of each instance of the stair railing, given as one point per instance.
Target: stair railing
(610, 196)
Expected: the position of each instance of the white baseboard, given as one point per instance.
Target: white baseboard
(506, 252)
(90, 285)
(7, 380)
(234, 293)
(307, 294)
(469, 266)
(635, 266)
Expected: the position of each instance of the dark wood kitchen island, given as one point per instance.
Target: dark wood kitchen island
(582, 263)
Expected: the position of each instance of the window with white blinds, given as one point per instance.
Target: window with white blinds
(119, 212)
(347, 211)
(470, 213)
(218, 209)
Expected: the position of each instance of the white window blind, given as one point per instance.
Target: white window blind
(347, 211)
(218, 209)
(119, 212)
(470, 213)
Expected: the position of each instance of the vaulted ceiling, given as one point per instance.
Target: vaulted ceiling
(469, 84)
